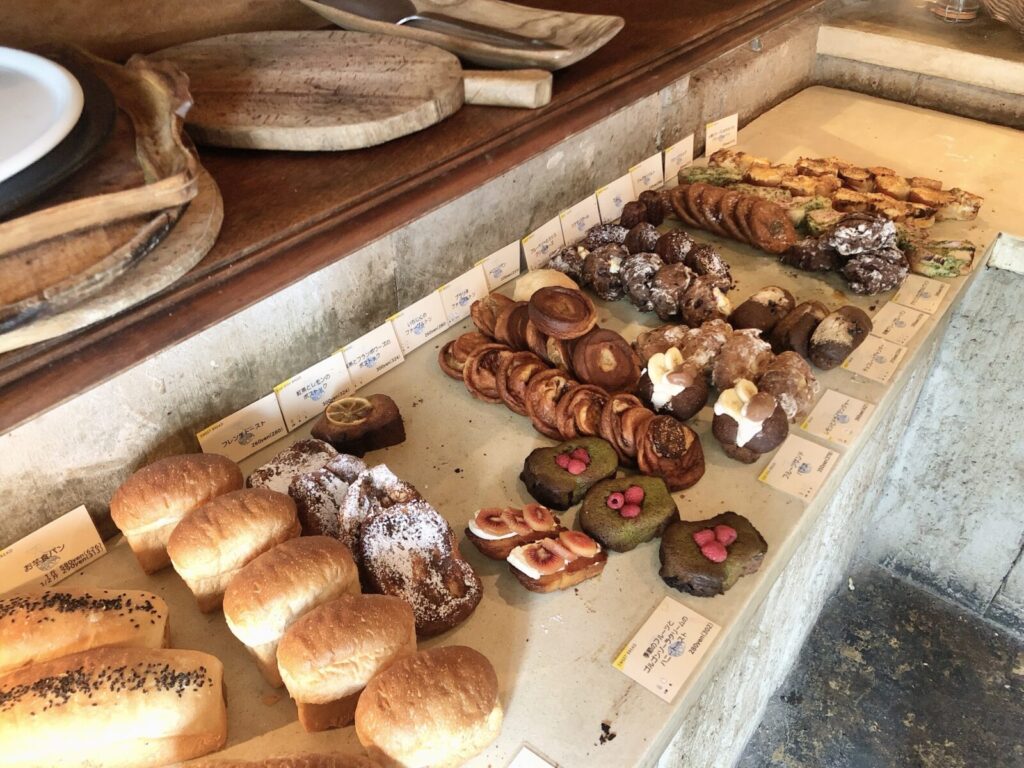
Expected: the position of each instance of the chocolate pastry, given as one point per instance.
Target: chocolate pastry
(673, 246)
(355, 425)
(669, 449)
(510, 327)
(318, 496)
(618, 435)
(655, 203)
(876, 272)
(569, 261)
(604, 358)
(632, 214)
(837, 336)
(637, 275)
(485, 312)
(812, 254)
(793, 332)
(514, 373)
(559, 477)
(668, 288)
(623, 513)
(790, 379)
(704, 301)
(562, 313)
(297, 459)
(370, 493)
(542, 395)
(642, 238)
(673, 385)
(579, 412)
(748, 423)
(705, 259)
(602, 271)
(409, 551)
(705, 558)
(861, 233)
(603, 234)
(452, 356)
(480, 373)
(743, 356)
(763, 310)
(702, 345)
(660, 339)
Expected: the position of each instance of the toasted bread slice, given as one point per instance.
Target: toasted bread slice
(895, 187)
(500, 549)
(933, 198)
(850, 201)
(577, 571)
(858, 179)
(764, 176)
(962, 206)
(924, 181)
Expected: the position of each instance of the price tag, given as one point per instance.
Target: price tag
(921, 293)
(876, 359)
(799, 467)
(577, 220)
(720, 134)
(306, 394)
(666, 650)
(502, 265)
(612, 197)
(419, 322)
(650, 174)
(838, 418)
(245, 431)
(458, 295)
(897, 323)
(372, 354)
(541, 243)
(527, 758)
(52, 553)
(679, 155)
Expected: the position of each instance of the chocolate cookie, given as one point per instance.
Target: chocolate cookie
(632, 214)
(602, 271)
(704, 301)
(673, 246)
(793, 332)
(876, 271)
(812, 254)
(705, 259)
(569, 261)
(637, 275)
(763, 310)
(861, 233)
(603, 234)
(655, 204)
(837, 336)
(642, 238)
(668, 288)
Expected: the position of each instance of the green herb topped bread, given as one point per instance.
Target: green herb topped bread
(623, 513)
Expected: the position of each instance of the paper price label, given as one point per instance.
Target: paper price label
(527, 758)
(419, 322)
(458, 295)
(876, 359)
(372, 354)
(542, 242)
(52, 553)
(799, 467)
(921, 293)
(245, 431)
(666, 650)
(612, 197)
(838, 418)
(720, 134)
(897, 323)
(650, 174)
(577, 220)
(502, 265)
(306, 394)
(679, 155)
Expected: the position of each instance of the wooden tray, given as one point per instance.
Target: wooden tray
(579, 34)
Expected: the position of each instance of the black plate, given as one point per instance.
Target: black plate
(78, 147)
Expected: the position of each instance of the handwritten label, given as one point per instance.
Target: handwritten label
(679, 155)
(650, 174)
(799, 467)
(897, 323)
(419, 322)
(458, 295)
(541, 243)
(372, 354)
(306, 394)
(502, 265)
(245, 431)
(921, 293)
(876, 359)
(612, 197)
(527, 758)
(720, 134)
(838, 418)
(577, 220)
(52, 553)
(666, 650)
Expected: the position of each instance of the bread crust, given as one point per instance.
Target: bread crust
(579, 570)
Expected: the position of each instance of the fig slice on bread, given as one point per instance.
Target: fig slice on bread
(557, 562)
(496, 531)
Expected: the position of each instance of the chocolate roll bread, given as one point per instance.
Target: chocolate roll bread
(748, 423)
(642, 238)
(674, 386)
(638, 273)
(668, 288)
(704, 300)
(632, 214)
(602, 271)
(837, 336)
(763, 310)
(793, 332)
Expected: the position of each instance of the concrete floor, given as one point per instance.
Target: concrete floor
(892, 676)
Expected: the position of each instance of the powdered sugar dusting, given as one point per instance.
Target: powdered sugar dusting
(298, 459)
(373, 491)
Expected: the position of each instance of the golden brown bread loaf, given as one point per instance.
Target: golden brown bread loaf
(112, 707)
(279, 586)
(437, 708)
(328, 655)
(292, 761)
(41, 625)
(213, 543)
(151, 502)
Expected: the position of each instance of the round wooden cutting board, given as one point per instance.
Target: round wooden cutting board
(313, 91)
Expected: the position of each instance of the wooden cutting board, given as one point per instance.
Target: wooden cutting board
(331, 90)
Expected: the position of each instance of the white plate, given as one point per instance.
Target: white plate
(40, 102)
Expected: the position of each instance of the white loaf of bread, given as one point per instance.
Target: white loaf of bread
(113, 707)
(38, 626)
